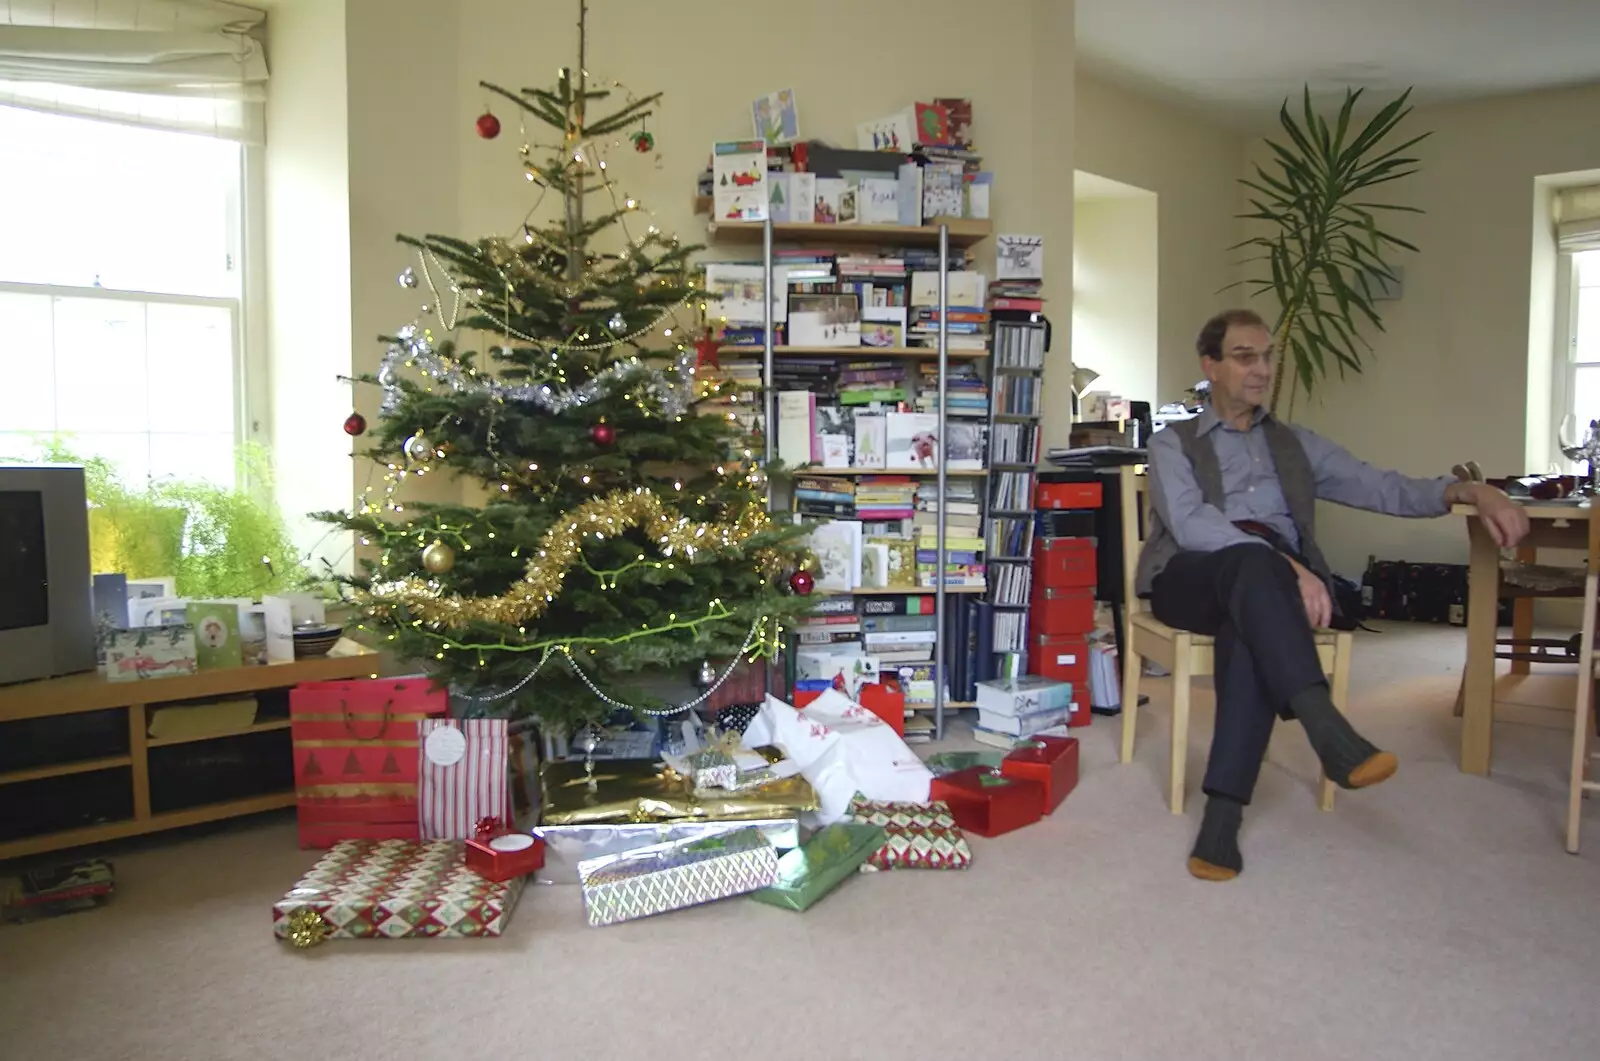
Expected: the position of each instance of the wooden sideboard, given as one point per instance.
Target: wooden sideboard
(84, 694)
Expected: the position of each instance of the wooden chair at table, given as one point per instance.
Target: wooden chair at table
(1186, 655)
(1583, 733)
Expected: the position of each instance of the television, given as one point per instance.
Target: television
(46, 592)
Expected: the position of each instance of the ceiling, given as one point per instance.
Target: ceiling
(1238, 59)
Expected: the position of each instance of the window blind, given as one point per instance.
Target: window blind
(1577, 215)
(188, 65)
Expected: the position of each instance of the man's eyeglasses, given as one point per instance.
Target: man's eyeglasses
(1251, 359)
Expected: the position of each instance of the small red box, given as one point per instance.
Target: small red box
(985, 802)
(1064, 563)
(1067, 495)
(1064, 657)
(1050, 761)
(1062, 611)
(505, 861)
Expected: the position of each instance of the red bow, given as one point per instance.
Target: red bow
(488, 827)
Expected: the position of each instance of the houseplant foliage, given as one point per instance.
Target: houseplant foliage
(215, 541)
(1324, 253)
(624, 536)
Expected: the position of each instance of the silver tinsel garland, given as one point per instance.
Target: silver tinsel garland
(673, 389)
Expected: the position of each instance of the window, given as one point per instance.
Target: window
(1583, 342)
(120, 295)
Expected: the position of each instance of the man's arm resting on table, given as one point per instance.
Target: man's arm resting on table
(1505, 520)
(1196, 526)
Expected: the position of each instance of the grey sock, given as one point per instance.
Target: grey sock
(1218, 842)
(1335, 741)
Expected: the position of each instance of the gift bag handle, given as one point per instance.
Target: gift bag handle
(383, 724)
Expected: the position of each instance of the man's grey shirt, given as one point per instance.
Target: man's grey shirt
(1252, 491)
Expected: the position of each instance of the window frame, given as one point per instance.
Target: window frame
(247, 306)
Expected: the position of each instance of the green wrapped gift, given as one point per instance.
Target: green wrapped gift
(815, 868)
(941, 763)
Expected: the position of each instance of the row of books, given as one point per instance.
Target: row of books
(876, 636)
(845, 436)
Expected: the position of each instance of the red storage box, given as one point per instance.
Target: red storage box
(355, 757)
(1051, 761)
(1065, 657)
(1067, 495)
(1064, 563)
(1062, 611)
(988, 803)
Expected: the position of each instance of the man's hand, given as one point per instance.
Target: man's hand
(1314, 592)
(1502, 517)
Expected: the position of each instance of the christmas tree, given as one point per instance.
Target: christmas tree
(624, 535)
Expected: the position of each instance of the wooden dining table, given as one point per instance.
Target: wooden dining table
(1553, 525)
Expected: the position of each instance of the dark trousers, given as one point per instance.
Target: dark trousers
(1247, 597)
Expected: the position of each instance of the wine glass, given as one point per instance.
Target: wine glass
(1576, 446)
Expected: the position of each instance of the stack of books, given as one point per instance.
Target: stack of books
(885, 498)
(966, 312)
(966, 393)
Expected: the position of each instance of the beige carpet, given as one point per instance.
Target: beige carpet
(1434, 917)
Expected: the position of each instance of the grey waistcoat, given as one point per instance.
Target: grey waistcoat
(1294, 476)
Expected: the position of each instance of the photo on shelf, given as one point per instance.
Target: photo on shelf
(739, 180)
(847, 203)
(830, 200)
(933, 124)
(872, 440)
(1019, 257)
(964, 449)
(894, 133)
(882, 334)
(776, 117)
(913, 440)
(879, 201)
(824, 320)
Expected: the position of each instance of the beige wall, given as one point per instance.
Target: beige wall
(1115, 296)
(307, 222)
(1450, 379)
(1193, 166)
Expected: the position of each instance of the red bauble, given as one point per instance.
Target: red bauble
(643, 141)
(705, 352)
(355, 424)
(603, 434)
(802, 583)
(488, 126)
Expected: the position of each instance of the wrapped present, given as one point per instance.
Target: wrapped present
(462, 776)
(988, 803)
(355, 757)
(809, 872)
(653, 880)
(920, 835)
(578, 792)
(390, 889)
(1051, 761)
(496, 853)
(714, 766)
(941, 763)
(57, 890)
(568, 845)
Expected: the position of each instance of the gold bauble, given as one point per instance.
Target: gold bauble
(438, 558)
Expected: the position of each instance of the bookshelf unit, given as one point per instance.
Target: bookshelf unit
(1015, 447)
(942, 235)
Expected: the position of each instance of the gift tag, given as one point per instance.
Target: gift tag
(445, 746)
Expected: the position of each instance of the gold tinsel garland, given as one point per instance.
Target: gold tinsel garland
(559, 551)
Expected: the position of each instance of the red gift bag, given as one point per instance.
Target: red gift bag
(463, 776)
(355, 757)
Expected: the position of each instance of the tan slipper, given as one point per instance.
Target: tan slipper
(1199, 867)
(1378, 767)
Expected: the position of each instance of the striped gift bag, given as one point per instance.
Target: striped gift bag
(463, 777)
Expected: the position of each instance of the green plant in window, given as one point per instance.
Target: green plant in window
(216, 541)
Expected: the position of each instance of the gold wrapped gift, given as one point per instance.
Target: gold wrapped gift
(644, 790)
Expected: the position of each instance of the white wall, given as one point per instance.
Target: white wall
(1116, 294)
(1450, 379)
(309, 266)
(1193, 166)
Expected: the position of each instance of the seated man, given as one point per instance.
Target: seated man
(1232, 553)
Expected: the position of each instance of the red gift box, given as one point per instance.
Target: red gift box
(1052, 762)
(988, 803)
(355, 757)
(1061, 611)
(1065, 563)
(1067, 495)
(499, 854)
